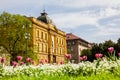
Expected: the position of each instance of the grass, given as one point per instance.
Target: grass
(103, 76)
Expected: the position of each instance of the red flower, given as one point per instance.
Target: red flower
(14, 63)
(98, 55)
(19, 58)
(84, 58)
(28, 59)
(111, 49)
(2, 60)
(68, 56)
(119, 54)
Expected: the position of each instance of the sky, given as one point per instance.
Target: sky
(92, 20)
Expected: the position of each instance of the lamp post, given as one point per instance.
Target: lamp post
(27, 35)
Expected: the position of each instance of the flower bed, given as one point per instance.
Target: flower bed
(83, 68)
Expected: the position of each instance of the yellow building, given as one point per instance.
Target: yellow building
(48, 41)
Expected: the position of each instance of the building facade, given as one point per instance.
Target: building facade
(76, 44)
(48, 41)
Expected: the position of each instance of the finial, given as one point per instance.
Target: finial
(44, 13)
(43, 10)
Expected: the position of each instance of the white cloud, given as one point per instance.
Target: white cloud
(75, 19)
(87, 3)
(82, 12)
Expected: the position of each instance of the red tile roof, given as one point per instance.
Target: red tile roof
(70, 36)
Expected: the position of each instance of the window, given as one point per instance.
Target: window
(62, 41)
(37, 33)
(40, 48)
(52, 43)
(45, 36)
(73, 42)
(37, 46)
(46, 48)
(68, 43)
(41, 35)
(71, 48)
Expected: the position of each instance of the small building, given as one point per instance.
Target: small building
(76, 44)
(48, 41)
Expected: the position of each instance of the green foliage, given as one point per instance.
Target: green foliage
(69, 51)
(102, 48)
(88, 53)
(13, 30)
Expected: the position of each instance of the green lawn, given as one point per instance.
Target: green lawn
(103, 76)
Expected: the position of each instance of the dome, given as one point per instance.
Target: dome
(44, 18)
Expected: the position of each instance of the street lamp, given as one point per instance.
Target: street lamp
(27, 36)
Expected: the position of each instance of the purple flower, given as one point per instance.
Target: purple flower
(111, 49)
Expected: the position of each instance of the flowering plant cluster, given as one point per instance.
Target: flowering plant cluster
(83, 68)
(20, 62)
(83, 58)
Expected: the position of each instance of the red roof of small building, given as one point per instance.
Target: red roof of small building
(70, 36)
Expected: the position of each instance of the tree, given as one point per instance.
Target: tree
(13, 29)
(88, 53)
(117, 46)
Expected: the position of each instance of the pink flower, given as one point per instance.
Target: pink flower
(81, 58)
(46, 60)
(111, 49)
(119, 54)
(14, 63)
(61, 62)
(33, 62)
(28, 59)
(98, 55)
(21, 63)
(103, 58)
(84, 58)
(19, 58)
(42, 61)
(2, 60)
(68, 56)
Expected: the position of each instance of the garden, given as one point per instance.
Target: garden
(103, 68)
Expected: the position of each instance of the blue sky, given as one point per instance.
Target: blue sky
(92, 20)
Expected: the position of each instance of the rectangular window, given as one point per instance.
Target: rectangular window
(37, 47)
(37, 33)
(45, 36)
(41, 35)
(52, 43)
(40, 48)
